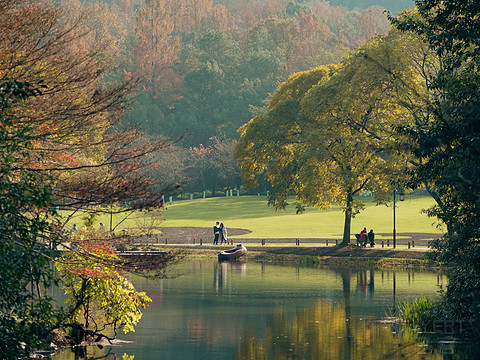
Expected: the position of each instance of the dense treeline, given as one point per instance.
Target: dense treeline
(203, 68)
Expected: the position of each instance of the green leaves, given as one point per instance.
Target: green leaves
(26, 314)
(446, 144)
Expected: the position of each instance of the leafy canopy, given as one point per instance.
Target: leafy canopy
(328, 133)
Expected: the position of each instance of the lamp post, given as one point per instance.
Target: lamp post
(401, 196)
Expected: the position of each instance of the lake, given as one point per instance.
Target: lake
(249, 310)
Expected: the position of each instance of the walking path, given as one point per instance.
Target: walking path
(193, 235)
(200, 239)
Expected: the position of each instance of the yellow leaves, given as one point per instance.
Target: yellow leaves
(112, 297)
(336, 139)
(300, 83)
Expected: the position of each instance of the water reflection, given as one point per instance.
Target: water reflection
(221, 270)
(90, 353)
(366, 282)
(245, 310)
(326, 331)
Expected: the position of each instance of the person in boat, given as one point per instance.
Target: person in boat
(223, 234)
(216, 233)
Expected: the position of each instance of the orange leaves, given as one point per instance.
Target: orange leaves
(65, 158)
(90, 273)
(93, 256)
(43, 127)
(201, 150)
(99, 246)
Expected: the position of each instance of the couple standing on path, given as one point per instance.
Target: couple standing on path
(220, 231)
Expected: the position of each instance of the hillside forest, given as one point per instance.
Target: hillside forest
(101, 101)
(203, 68)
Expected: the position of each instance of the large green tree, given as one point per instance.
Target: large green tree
(327, 134)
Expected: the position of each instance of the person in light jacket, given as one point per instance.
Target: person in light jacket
(223, 234)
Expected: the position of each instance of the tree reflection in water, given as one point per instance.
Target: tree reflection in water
(92, 353)
(327, 330)
(222, 311)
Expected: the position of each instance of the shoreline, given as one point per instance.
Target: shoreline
(410, 252)
(351, 255)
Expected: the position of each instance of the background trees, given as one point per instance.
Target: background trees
(232, 56)
(156, 51)
(201, 68)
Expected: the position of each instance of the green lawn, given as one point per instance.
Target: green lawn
(252, 213)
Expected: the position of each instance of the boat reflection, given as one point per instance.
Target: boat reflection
(221, 271)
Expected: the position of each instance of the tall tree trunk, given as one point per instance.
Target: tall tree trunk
(348, 219)
(346, 279)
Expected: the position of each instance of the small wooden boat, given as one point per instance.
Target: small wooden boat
(233, 253)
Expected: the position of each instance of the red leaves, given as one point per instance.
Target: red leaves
(93, 256)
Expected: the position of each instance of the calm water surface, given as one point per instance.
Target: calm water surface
(214, 310)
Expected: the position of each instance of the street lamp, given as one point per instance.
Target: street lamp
(401, 196)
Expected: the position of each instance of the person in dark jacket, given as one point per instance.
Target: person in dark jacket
(371, 238)
(216, 233)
